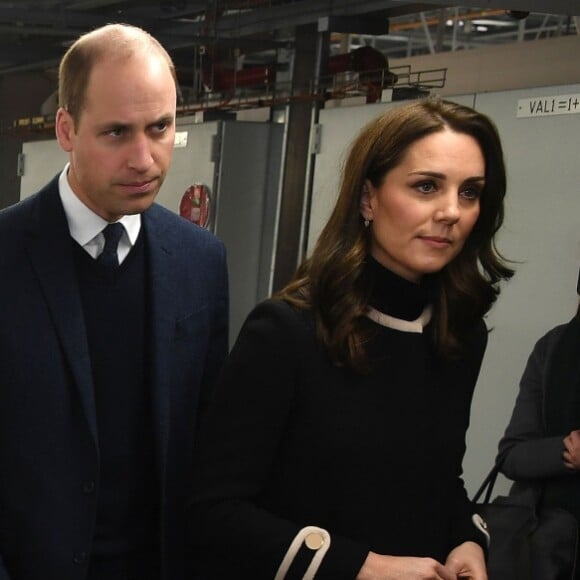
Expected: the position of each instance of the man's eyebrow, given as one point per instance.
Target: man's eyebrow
(163, 119)
(113, 125)
(107, 125)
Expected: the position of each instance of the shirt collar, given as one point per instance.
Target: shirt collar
(83, 223)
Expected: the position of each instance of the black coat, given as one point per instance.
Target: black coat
(49, 453)
(291, 440)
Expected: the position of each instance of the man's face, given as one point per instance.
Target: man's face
(121, 148)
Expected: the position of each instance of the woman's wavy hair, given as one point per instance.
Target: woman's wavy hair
(578, 291)
(332, 282)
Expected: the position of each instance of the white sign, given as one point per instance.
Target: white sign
(180, 139)
(545, 106)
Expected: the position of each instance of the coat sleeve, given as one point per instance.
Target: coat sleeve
(464, 527)
(238, 442)
(527, 453)
(3, 573)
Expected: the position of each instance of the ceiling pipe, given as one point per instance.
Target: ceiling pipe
(365, 59)
(222, 79)
(361, 59)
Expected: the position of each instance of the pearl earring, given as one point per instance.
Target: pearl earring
(367, 222)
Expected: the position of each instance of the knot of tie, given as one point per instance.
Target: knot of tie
(108, 256)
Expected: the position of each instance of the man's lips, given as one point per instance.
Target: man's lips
(141, 186)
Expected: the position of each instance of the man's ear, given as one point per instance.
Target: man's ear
(366, 209)
(64, 129)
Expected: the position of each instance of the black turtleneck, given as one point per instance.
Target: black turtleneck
(394, 295)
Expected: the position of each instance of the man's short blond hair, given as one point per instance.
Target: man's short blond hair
(109, 41)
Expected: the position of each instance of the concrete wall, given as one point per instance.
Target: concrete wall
(535, 63)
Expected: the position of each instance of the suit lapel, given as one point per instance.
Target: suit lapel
(161, 254)
(50, 249)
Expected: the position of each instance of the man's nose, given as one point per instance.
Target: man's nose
(140, 157)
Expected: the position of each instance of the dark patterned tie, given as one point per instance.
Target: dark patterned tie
(108, 256)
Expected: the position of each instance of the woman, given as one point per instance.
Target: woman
(334, 444)
(541, 445)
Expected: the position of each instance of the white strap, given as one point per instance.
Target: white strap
(316, 539)
(399, 324)
(481, 525)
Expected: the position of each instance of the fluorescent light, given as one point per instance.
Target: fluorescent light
(500, 23)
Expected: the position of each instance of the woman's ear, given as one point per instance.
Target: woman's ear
(366, 209)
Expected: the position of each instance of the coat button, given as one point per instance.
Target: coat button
(314, 541)
(89, 486)
(80, 558)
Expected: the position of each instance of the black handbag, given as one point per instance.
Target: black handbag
(527, 542)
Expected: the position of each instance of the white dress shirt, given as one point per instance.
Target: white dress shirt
(86, 227)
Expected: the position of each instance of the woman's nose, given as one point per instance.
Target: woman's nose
(448, 211)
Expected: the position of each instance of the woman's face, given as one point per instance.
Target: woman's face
(427, 206)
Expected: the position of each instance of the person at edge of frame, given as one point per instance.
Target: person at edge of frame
(541, 444)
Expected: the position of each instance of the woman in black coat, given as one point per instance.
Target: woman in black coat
(334, 443)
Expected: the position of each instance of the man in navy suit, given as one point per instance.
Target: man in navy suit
(104, 366)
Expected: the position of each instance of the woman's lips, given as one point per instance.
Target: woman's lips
(436, 241)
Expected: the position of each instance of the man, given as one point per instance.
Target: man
(105, 355)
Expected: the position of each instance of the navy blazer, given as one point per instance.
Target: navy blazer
(49, 455)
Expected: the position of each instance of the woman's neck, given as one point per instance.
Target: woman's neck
(394, 295)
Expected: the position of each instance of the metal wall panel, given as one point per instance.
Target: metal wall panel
(42, 160)
(247, 208)
(191, 164)
(541, 233)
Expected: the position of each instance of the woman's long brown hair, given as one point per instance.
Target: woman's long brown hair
(331, 281)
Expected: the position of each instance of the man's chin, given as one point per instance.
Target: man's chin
(139, 205)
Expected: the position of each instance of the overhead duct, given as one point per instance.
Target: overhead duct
(371, 65)
(364, 58)
(221, 79)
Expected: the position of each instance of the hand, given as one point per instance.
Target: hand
(571, 453)
(467, 561)
(378, 567)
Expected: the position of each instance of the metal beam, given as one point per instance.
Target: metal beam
(370, 25)
(308, 12)
(568, 7)
(185, 24)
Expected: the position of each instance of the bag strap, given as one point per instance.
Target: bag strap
(534, 490)
(487, 485)
(489, 481)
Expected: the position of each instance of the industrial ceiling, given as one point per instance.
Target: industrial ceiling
(35, 34)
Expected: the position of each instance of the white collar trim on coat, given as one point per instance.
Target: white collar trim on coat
(399, 324)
